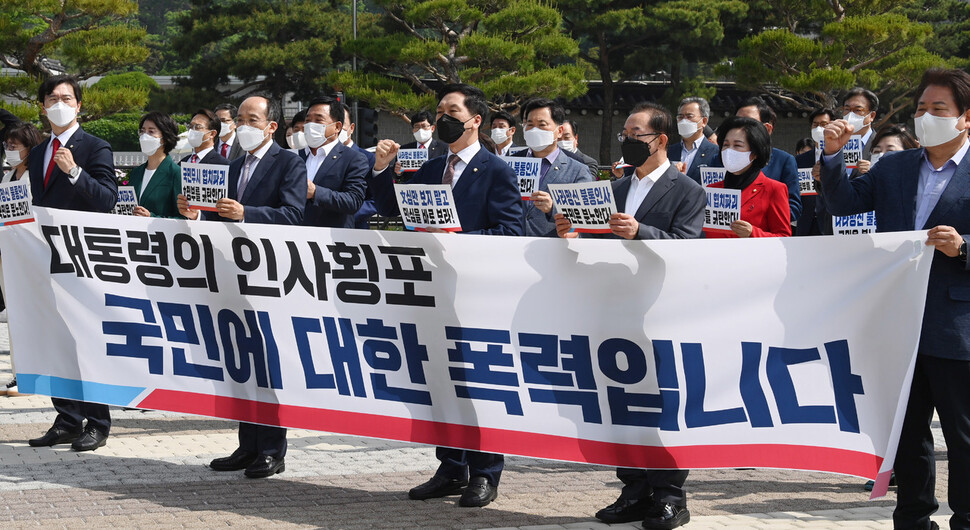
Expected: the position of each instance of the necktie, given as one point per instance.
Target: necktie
(195, 159)
(421, 146)
(244, 180)
(544, 168)
(225, 150)
(450, 170)
(50, 167)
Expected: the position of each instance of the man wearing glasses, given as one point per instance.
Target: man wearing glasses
(203, 131)
(694, 150)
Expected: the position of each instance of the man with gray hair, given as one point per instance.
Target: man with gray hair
(694, 150)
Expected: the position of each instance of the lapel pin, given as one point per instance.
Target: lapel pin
(474, 170)
(556, 168)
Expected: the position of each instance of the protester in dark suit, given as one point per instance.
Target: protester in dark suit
(228, 146)
(543, 119)
(157, 182)
(268, 185)
(859, 107)
(73, 171)
(570, 145)
(666, 204)
(367, 210)
(814, 218)
(203, 131)
(920, 189)
(745, 148)
(487, 199)
(694, 150)
(782, 165)
(502, 129)
(422, 129)
(336, 188)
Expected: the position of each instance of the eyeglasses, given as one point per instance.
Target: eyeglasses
(252, 122)
(198, 127)
(623, 137)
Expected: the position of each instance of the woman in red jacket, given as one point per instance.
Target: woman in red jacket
(745, 149)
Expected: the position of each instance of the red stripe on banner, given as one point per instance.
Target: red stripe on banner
(519, 443)
(592, 230)
(204, 208)
(8, 223)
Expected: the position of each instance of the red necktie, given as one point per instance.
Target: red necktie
(50, 167)
(225, 150)
(195, 159)
(449, 175)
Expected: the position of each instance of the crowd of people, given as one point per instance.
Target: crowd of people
(322, 178)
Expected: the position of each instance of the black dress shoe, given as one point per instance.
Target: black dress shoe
(664, 516)
(54, 436)
(239, 459)
(437, 487)
(625, 511)
(478, 493)
(265, 466)
(90, 440)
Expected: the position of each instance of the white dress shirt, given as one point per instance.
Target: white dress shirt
(63, 138)
(640, 187)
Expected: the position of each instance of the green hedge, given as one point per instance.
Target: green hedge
(119, 130)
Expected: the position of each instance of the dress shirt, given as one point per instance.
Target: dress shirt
(202, 154)
(64, 137)
(314, 161)
(259, 154)
(149, 173)
(687, 155)
(640, 187)
(466, 156)
(547, 162)
(932, 184)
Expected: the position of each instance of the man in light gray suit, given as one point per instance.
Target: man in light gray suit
(543, 119)
(655, 202)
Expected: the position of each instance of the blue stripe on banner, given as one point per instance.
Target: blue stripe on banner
(121, 396)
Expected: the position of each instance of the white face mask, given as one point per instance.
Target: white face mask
(935, 130)
(818, 134)
(735, 161)
(61, 114)
(856, 121)
(296, 140)
(499, 136)
(875, 158)
(250, 137)
(149, 144)
(538, 139)
(195, 138)
(316, 134)
(422, 136)
(687, 128)
(567, 145)
(13, 157)
(343, 136)
(225, 129)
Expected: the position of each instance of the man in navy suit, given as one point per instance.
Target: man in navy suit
(266, 185)
(926, 189)
(73, 171)
(203, 131)
(655, 202)
(814, 219)
(543, 119)
(487, 199)
(336, 187)
(228, 145)
(781, 166)
(694, 150)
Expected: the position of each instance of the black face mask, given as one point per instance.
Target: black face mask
(635, 152)
(449, 129)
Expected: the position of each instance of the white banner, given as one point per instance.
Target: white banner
(204, 184)
(723, 208)
(15, 203)
(424, 206)
(527, 170)
(806, 182)
(850, 225)
(710, 175)
(412, 159)
(853, 151)
(584, 350)
(127, 200)
(588, 205)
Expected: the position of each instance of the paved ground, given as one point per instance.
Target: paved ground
(152, 475)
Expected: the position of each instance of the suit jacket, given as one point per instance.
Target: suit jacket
(161, 196)
(782, 167)
(235, 150)
(566, 170)
(486, 196)
(591, 164)
(371, 157)
(889, 188)
(813, 210)
(340, 188)
(707, 155)
(276, 192)
(764, 204)
(212, 157)
(672, 209)
(96, 189)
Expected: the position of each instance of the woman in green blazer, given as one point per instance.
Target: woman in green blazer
(157, 182)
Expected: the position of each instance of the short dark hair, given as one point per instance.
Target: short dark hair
(166, 125)
(572, 125)
(420, 116)
(25, 133)
(555, 109)
(765, 112)
(214, 123)
(754, 131)
(660, 119)
(475, 100)
(299, 117)
(802, 143)
(49, 84)
(227, 106)
(502, 115)
(336, 107)
(871, 97)
(273, 110)
(822, 111)
(898, 130)
(958, 81)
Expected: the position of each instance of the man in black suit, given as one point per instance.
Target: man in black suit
(812, 220)
(73, 171)
(227, 146)
(665, 204)
(502, 127)
(694, 149)
(336, 186)
(203, 131)
(267, 185)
